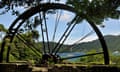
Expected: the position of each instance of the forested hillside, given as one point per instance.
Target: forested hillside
(113, 43)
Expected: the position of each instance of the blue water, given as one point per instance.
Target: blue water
(71, 54)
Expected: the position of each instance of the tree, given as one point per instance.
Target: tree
(18, 48)
(20, 51)
(12, 4)
(96, 10)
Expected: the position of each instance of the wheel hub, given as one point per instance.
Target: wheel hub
(50, 58)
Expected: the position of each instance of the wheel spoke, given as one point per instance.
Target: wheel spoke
(46, 30)
(42, 30)
(63, 38)
(31, 46)
(78, 41)
(65, 35)
(56, 24)
(58, 16)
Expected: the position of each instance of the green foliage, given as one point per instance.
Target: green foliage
(115, 58)
(93, 59)
(7, 5)
(98, 59)
(96, 10)
(20, 51)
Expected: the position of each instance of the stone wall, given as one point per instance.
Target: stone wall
(14, 67)
(91, 68)
(23, 67)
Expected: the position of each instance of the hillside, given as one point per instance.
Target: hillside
(111, 41)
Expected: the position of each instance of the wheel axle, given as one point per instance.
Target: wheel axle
(50, 58)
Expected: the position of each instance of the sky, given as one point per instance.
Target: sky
(112, 26)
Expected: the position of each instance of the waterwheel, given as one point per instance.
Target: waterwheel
(57, 31)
